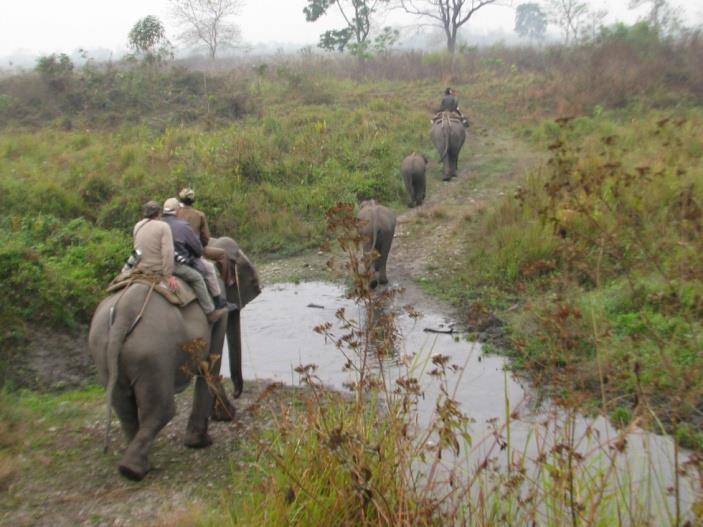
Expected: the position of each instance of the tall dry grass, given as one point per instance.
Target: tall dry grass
(364, 458)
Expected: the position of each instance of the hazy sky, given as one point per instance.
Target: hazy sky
(46, 26)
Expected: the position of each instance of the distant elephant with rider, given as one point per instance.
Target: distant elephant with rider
(448, 135)
(147, 349)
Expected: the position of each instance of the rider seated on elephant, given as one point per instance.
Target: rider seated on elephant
(191, 267)
(198, 221)
(451, 104)
(154, 244)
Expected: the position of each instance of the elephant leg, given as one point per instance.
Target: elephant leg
(373, 278)
(384, 249)
(454, 161)
(125, 406)
(410, 191)
(420, 197)
(196, 431)
(155, 399)
(373, 282)
(447, 168)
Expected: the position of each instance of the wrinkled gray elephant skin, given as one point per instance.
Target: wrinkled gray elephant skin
(377, 227)
(448, 135)
(145, 365)
(412, 169)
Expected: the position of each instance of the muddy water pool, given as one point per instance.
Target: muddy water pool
(278, 336)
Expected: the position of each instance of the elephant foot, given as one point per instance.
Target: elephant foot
(133, 472)
(383, 281)
(223, 411)
(447, 178)
(373, 284)
(196, 440)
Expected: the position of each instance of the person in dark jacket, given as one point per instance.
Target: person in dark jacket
(188, 265)
(451, 104)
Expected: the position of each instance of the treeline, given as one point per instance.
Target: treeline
(621, 65)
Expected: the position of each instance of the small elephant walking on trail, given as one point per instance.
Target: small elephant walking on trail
(378, 228)
(448, 135)
(413, 171)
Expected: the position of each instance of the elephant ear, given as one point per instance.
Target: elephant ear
(247, 277)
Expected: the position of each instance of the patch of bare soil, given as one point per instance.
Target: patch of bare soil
(53, 360)
(64, 479)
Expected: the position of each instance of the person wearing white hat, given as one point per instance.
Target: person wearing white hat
(188, 262)
(198, 221)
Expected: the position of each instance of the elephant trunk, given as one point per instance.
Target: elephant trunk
(234, 341)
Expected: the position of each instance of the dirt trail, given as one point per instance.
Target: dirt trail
(62, 478)
(428, 238)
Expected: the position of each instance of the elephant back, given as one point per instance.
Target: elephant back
(181, 297)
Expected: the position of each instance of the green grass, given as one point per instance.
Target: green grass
(600, 244)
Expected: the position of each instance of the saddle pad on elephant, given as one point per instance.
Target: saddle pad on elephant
(449, 116)
(182, 296)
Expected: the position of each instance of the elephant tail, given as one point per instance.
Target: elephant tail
(121, 324)
(116, 337)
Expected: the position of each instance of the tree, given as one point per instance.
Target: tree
(593, 25)
(357, 17)
(207, 23)
(450, 15)
(568, 14)
(56, 70)
(530, 21)
(148, 38)
(662, 16)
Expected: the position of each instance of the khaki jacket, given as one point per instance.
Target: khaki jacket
(153, 238)
(197, 220)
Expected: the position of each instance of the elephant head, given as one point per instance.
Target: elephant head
(246, 289)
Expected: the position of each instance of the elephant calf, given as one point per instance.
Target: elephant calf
(378, 228)
(413, 171)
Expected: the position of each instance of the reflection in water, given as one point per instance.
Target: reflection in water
(278, 336)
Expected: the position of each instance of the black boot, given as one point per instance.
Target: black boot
(221, 301)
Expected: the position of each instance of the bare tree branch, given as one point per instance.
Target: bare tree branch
(206, 23)
(450, 15)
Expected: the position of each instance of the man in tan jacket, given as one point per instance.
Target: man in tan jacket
(153, 239)
(198, 221)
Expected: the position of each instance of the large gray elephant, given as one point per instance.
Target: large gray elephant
(412, 169)
(377, 227)
(448, 135)
(145, 364)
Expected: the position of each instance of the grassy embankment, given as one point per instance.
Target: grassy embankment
(594, 260)
(599, 249)
(70, 197)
